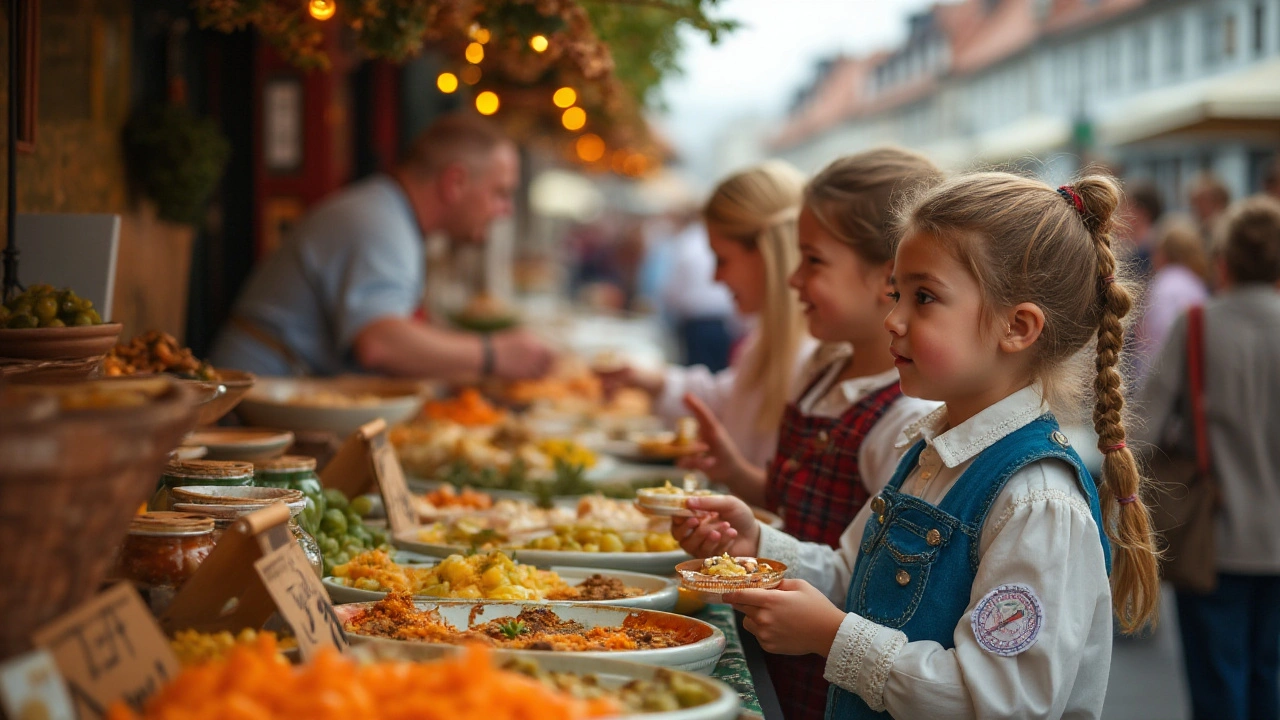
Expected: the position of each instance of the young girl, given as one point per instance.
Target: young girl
(975, 584)
(836, 443)
(751, 226)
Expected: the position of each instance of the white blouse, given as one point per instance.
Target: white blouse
(878, 456)
(737, 407)
(1039, 533)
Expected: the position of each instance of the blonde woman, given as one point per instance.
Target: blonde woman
(751, 227)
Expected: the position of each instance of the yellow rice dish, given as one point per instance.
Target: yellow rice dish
(493, 576)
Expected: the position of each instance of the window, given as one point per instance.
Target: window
(1173, 49)
(1141, 56)
(1112, 73)
(1229, 36)
(1259, 29)
(1210, 38)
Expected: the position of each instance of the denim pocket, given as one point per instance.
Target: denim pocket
(898, 566)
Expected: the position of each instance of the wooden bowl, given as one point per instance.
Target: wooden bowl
(223, 394)
(65, 343)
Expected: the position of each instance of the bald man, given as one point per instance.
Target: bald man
(340, 294)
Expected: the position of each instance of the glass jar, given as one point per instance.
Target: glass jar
(295, 472)
(224, 516)
(180, 473)
(161, 552)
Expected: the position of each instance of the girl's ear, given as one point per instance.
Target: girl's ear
(884, 278)
(1025, 322)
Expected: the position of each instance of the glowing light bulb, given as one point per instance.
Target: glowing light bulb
(475, 53)
(470, 74)
(565, 97)
(590, 147)
(487, 102)
(539, 43)
(447, 82)
(481, 35)
(322, 9)
(574, 118)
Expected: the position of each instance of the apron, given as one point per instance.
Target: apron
(815, 485)
(917, 555)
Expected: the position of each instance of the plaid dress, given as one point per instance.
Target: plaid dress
(814, 484)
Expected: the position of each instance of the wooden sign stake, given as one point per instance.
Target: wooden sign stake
(367, 461)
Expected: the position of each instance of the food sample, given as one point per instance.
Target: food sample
(585, 538)
(42, 306)
(254, 682)
(468, 409)
(535, 628)
(684, 441)
(156, 352)
(194, 647)
(493, 576)
(334, 399)
(667, 500)
(724, 574)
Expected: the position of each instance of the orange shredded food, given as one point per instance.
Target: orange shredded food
(468, 408)
(396, 617)
(254, 683)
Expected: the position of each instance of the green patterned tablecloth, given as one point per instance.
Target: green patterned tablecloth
(732, 669)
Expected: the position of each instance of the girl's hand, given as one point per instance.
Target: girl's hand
(793, 619)
(724, 524)
(611, 381)
(721, 462)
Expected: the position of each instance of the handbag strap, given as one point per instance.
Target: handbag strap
(1195, 376)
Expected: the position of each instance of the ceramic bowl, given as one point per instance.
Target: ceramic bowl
(283, 403)
(64, 343)
(241, 443)
(657, 563)
(712, 587)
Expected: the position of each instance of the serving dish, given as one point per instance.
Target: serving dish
(336, 405)
(657, 563)
(711, 588)
(240, 443)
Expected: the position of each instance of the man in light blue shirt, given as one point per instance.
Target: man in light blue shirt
(340, 294)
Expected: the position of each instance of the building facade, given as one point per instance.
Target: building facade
(1155, 89)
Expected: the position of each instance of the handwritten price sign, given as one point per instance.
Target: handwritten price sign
(301, 599)
(109, 649)
(401, 514)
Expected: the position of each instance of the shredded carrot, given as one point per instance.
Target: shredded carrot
(253, 683)
(469, 408)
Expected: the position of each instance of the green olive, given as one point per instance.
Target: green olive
(21, 306)
(68, 305)
(56, 322)
(94, 317)
(46, 309)
(82, 318)
(23, 321)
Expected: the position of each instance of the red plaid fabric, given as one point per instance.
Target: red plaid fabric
(814, 484)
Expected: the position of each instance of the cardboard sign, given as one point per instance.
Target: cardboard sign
(225, 593)
(32, 687)
(301, 599)
(367, 461)
(109, 649)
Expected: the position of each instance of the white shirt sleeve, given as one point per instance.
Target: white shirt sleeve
(713, 389)
(1039, 534)
(878, 457)
(822, 566)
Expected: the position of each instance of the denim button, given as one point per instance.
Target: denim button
(877, 505)
(903, 577)
(933, 537)
(1059, 438)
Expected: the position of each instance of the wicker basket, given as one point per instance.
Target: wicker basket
(70, 481)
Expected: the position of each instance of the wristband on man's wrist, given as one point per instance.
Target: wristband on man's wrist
(488, 358)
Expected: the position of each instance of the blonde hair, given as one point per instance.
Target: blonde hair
(853, 197)
(1025, 242)
(1180, 243)
(757, 208)
(1249, 241)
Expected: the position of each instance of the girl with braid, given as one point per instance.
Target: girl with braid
(982, 580)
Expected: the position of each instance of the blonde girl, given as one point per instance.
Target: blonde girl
(976, 583)
(751, 226)
(836, 441)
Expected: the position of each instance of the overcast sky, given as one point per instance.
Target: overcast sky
(757, 69)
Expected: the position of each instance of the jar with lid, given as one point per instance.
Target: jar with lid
(226, 505)
(295, 472)
(181, 473)
(161, 552)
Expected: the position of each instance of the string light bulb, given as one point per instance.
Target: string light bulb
(481, 35)
(565, 97)
(539, 43)
(574, 118)
(475, 53)
(487, 102)
(590, 147)
(470, 74)
(322, 9)
(447, 82)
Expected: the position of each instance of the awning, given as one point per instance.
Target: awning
(1034, 136)
(1247, 98)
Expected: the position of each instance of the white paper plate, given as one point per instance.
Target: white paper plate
(661, 593)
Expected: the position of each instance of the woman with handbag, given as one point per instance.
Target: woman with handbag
(1217, 382)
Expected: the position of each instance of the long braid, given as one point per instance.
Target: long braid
(1135, 575)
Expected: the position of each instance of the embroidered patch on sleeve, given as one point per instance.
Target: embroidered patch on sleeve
(1007, 620)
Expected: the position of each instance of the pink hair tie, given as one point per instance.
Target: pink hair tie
(1069, 193)
(1108, 280)
(1126, 500)
(1113, 448)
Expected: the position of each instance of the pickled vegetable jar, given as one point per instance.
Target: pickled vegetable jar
(161, 551)
(180, 473)
(295, 472)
